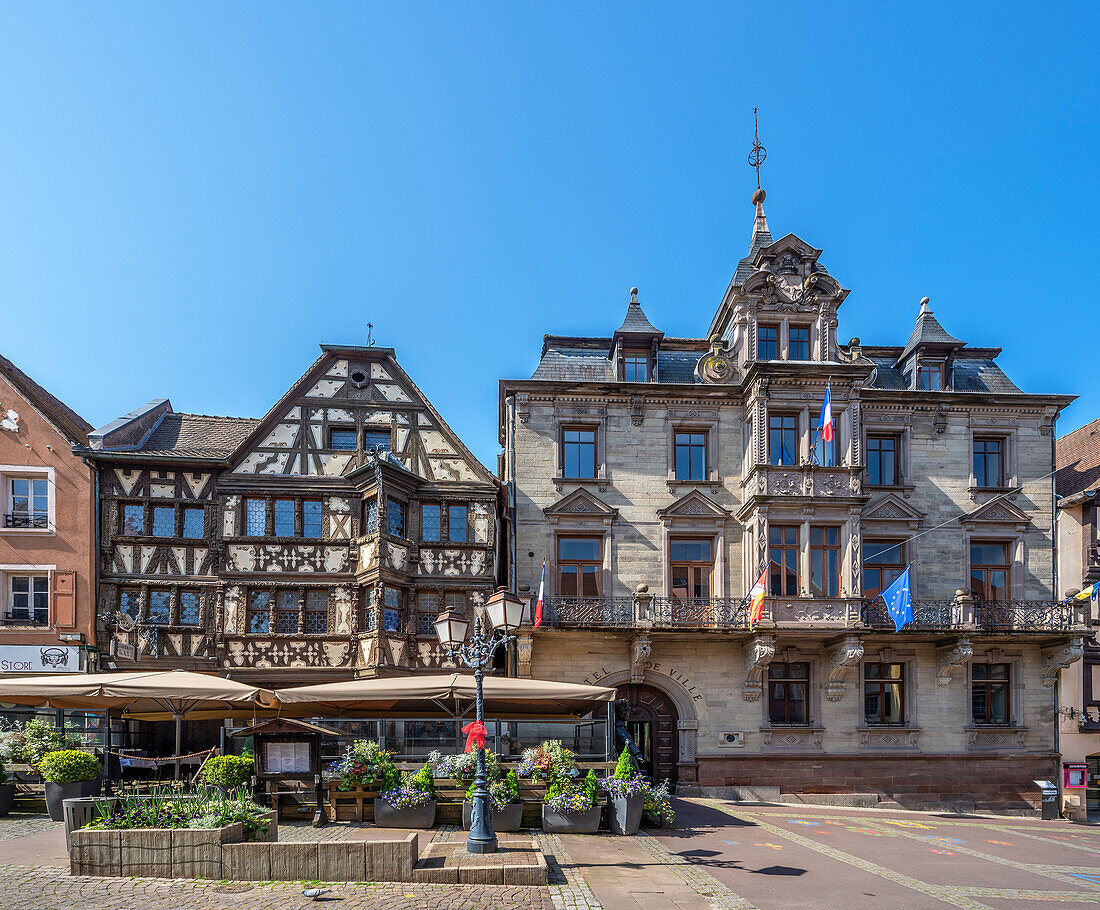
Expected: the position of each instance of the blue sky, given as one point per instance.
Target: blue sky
(193, 196)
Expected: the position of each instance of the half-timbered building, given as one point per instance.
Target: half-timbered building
(317, 542)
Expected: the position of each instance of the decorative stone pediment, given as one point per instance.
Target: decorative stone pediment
(694, 505)
(580, 504)
(892, 508)
(997, 512)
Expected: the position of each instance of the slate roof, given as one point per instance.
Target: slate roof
(761, 237)
(74, 427)
(928, 331)
(575, 365)
(198, 435)
(1078, 460)
(572, 364)
(636, 322)
(971, 371)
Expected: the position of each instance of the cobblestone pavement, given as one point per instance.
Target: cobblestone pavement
(19, 825)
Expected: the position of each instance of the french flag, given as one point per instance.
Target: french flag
(538, 605)
(827, 415)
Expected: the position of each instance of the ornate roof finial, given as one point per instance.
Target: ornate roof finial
(633, 295)
(757, 156)
(924, 307)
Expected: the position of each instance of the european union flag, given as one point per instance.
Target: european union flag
(898, 601)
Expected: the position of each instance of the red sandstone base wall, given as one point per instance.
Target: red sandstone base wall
(990, 782)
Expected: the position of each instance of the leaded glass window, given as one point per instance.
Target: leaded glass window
(316, 612)
(255, 518)
(133, 519)
(395, 518)
(190, 608)
(311, 518)
(282, 517)
(286, 616)
(159, 607)
(259, 612)
(193, 522)
(164, 521)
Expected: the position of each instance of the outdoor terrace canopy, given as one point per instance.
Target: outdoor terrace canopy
(450, 695)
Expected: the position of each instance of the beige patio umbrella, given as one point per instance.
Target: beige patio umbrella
(144, 694)
(449, 695)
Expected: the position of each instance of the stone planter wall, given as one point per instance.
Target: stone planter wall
(152, 852)
(352, 861)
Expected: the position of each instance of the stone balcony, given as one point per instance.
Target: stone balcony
(963, 614)
(804, 481)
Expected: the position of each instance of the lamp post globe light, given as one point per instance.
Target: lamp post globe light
(503, 613)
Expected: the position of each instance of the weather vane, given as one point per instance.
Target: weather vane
(758, 153)
(370, 340)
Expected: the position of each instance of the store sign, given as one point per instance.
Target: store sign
(39, 659)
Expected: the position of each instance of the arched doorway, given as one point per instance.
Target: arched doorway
(651, 719)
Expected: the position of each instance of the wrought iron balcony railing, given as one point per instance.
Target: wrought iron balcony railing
(26, 618)
(700, 613)
(26, 520)
(962, 615)
(589, 612)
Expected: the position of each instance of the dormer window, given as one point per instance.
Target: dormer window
(931, 376)
(636, 366)
(799, 342)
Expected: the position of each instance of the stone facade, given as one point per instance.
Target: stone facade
(657, 478)
(315, 543)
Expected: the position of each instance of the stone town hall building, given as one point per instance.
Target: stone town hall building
(316, 543)
(658, 477)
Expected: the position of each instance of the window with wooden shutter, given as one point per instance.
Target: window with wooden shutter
(63, 598)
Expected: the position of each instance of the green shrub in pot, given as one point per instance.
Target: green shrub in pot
(227, 771)
(69, 766)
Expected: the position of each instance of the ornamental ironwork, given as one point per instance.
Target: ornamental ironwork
(700, 613)
(589, 612)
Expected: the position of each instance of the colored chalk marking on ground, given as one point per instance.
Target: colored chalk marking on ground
(773, 846)
(943, 840)
(1093, 878)
(940, 852)
(1000, 843)
(802, 821)
(907, 824)
(872, 832)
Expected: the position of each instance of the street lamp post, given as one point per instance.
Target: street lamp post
(503, 613)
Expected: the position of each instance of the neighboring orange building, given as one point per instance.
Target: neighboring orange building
(47, 532)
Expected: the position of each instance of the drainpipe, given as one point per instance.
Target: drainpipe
(96, 541)
(1053, 510)
(510, 458)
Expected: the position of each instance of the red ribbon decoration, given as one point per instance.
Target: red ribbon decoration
(475, 735)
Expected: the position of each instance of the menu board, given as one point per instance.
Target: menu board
(287, 758)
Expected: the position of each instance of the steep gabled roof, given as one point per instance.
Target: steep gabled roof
(1078, 460)
(201, 435)
(70, 424)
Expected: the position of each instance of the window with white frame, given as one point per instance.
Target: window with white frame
(26, 498)
(28, 599)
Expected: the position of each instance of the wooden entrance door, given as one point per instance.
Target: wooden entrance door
(652, 719)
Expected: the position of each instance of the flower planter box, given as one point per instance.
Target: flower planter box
(386, 816)
(7, 798)
(506, 820)
(624, 813)
(56, 794)
(554, 822)
(350, 805)
(152, 852)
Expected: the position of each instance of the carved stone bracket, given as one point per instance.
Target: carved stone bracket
(841, 659)
(640, 646)
(758, 654)
(637, 411)
(1059, 658)
(524, 647)
(949, 658)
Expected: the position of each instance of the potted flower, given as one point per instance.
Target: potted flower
(7, 792)
(570, 807)
(548, 761)
(626, 793)
(504, 802)
(69, 773)
(658, 805)
(227, 772)
(365, 766)
(411, 804)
